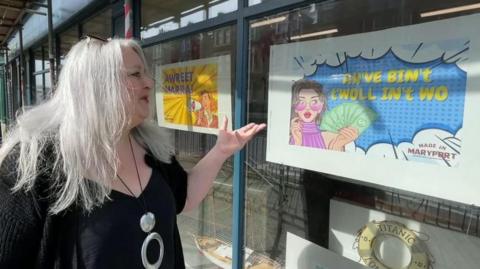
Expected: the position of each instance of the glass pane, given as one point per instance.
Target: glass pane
(256, 2)
(48, 85)
(39, 92)
(283, 199)
(193, 17)
(38, 59)
(210, 223)
(46, 61)
(217, 8)
(100, 24)
(163, 16)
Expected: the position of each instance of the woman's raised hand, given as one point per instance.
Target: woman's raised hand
(345, 136)
(228, 142)
(296, 128)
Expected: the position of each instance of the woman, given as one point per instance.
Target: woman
(86, 181)
(308, 105)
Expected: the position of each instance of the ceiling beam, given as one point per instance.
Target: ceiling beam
(10, 31)
(27, 10)
(7, 20)
(12, 2)
(37, 4)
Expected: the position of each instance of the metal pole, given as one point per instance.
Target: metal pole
(238, 214)
(21, 85)
(51, 56)
(8, 88)
(127, 7)
(4, 93)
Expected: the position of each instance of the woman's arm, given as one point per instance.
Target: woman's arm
(202, 175)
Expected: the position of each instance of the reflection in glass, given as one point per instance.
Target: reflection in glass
(190, 18)
(256, 2)
(163, 16)
(218, 8)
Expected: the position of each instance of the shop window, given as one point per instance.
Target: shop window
(291, 207)
(205, 71)
(222, 37)
(161, 16)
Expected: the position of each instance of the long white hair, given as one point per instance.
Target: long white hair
(82, 122)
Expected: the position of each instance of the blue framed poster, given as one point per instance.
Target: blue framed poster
(395, 107)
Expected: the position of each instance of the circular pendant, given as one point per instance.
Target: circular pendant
(147, 222)
(146, 242)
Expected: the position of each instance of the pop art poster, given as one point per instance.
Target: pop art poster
(394, 107)
(194, 95)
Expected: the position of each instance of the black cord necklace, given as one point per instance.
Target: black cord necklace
(144, 205)
(147, 221)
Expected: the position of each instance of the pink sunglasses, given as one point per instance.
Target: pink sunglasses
(301, 105)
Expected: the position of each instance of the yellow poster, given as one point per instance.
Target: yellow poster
(194, 95)
(191, 95)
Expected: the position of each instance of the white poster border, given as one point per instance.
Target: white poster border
(223, 87)
(459, 184)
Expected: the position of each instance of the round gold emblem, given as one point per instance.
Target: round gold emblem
(374, 233)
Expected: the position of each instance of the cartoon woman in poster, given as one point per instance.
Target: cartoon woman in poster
(207, 115)
(308, 106)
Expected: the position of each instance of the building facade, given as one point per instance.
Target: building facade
(301, 205)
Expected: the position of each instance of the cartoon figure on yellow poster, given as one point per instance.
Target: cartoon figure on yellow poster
(189, 96)
(206, 115)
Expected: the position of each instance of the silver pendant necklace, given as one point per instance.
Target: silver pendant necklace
(147, 222)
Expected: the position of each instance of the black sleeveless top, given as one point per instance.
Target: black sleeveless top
(110, 236)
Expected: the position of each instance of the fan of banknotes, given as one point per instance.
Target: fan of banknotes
(348, 115)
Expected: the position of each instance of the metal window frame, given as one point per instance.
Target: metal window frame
(241, 18)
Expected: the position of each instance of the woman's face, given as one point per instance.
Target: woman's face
(205, 101)
(309, 105)
(139, 85)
